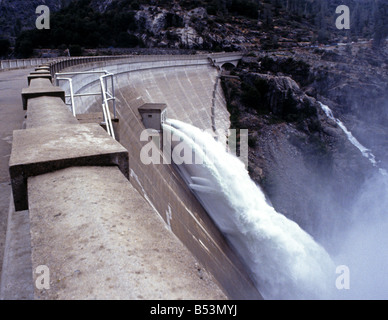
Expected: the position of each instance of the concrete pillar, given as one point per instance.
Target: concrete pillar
(41, 87)
(40, 150)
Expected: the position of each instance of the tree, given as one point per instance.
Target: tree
(266, 17)
(126, 40)
(24, 48)
(381, 24)
(246, 8)
(4, 46)
(75, 50)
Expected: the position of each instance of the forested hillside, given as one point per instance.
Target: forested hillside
(196, 24)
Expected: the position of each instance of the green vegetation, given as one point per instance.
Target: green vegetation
(298, 70)
(231, 89)
(381, 24)
(254, 95)
(80, 25)
(84, 23)
(245, 8)
(4, 47)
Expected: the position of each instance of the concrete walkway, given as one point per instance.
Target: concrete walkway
(100, 239)
(11, 118)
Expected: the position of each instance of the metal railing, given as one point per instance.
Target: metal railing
(71, 93)
(106, 95)
(23, 63)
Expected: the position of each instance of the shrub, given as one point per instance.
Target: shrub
(24, 48)
(254, 95)
(4, 46)
(245, 8)
(75, 50)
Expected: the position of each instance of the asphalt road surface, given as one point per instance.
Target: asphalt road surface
(11, 118)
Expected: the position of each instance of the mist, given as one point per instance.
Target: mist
(358, 238)
(361, 243)
(363, 246)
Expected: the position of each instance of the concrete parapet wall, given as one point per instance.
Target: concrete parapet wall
(41, 87)
(64, 62)
(98, 237)
(22, 63)
(44, 110)
(60, 62)
(44, 149)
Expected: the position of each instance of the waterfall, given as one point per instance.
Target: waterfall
(367, 153)
(363, 249)
(283, 260)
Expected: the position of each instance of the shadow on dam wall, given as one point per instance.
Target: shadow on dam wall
(187, 89)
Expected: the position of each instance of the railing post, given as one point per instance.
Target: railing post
(114, 97)
(105, 109)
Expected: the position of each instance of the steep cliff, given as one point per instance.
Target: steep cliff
(303, 160)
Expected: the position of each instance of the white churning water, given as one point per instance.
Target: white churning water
(284, 261)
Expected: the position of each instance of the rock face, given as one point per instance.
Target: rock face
(192, 29)
(171, 28)
(301, 158)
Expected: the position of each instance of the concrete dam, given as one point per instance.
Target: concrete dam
(105, 224)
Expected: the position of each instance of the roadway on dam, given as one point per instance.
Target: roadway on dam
(11, 118)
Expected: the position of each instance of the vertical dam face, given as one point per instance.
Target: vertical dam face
(188, 87)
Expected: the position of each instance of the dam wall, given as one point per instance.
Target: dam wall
(186, 85)
(11, 64)
(22, 63)
(93, 236)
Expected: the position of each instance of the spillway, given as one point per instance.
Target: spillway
(285, 262)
